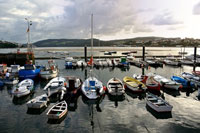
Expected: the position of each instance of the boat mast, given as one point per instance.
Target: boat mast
(29, 47)
(92, 39)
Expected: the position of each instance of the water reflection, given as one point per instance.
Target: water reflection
(116, 99)
(36, 111)
(22, 100)
(159, 115)
(140, 96)
(173, 93)
(58, 121)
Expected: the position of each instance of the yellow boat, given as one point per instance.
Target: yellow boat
(134, 84)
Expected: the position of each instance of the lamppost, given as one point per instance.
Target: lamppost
(29, 47)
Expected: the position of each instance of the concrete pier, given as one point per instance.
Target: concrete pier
(16, 58)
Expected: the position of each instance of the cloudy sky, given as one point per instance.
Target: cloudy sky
(113, 19)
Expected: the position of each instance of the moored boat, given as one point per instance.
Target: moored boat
(38, 102)
(49, 72)
(92, 88)
(184, 82)
(29, 72)
(115, 87)
(73, 84)
(167, 83)
(134, 84)
(57, 111)
(55, 86)
(157, 103)
(23, 88)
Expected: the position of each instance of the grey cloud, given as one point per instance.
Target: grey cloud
(164, 19)
(67, 18)
(196, 9)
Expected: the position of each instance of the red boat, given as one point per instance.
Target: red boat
(197, 73)
(148, 81)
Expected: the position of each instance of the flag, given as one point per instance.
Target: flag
(91, 61)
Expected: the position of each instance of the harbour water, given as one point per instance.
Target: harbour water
(121, 114)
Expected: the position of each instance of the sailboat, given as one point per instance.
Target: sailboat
(92, 88)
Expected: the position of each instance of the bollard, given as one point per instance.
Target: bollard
(195, 55)
(85, 51)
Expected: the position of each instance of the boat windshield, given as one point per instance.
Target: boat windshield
(29, 67)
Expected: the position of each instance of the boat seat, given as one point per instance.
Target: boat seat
(152, 99)
(56, 110)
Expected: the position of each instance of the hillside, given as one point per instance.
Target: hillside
(5, 44)
(83, 42)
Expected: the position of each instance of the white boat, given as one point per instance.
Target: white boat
(115, 87)
(167, 83)
(171, 62)
(109, 62)
(38, 102)
(157, 103)
(55, 86)
(192, 78)
(23, 88)
(81, 63)
(57, 111)
(15, 68)
(92, 88)
(49, 72)
(114, 62)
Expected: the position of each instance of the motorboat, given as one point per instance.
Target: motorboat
(38, 102)
(69, 62)
(158, 104)
(73, 84)
(50, 71)
(23, 88)
(30, 71)
(115, 87)
(55, 86)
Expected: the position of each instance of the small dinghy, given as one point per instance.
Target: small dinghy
(115, 87)
(134, 84)
(38, 102)
(157, 103)
(57, 111)
(24, 88)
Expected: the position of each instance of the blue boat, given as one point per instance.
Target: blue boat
(30, 71)
(68, 64)
(184, 82)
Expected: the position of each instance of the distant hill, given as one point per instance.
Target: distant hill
(5, 44)
(83, 42)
